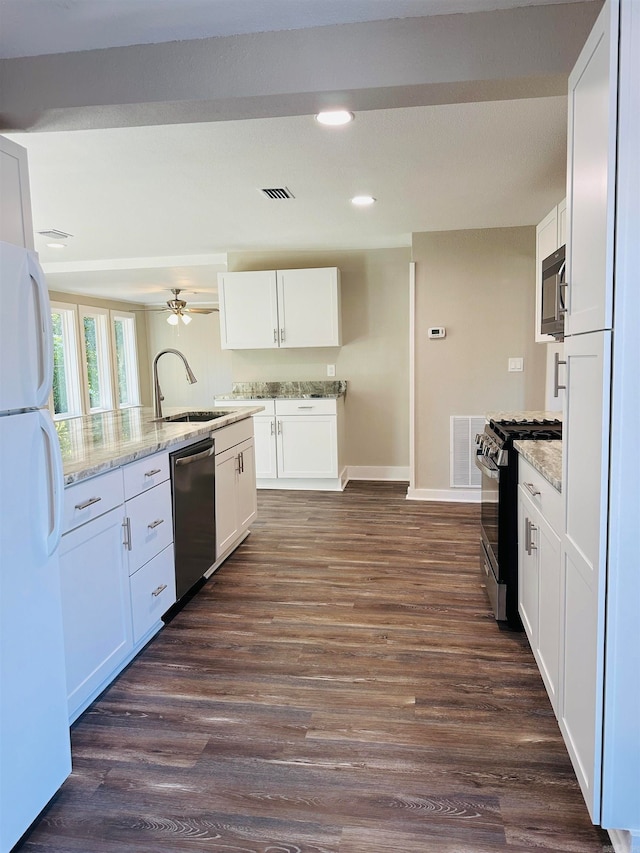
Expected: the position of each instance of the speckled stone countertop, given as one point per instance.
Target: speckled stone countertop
(523, 416)
(291, 390)
(546, 457)
(96, 443)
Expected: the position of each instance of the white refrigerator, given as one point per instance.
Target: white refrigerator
(35, 755)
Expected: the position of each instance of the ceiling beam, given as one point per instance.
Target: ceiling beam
(508, 54)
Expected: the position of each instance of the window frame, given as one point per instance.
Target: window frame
(72, 372)
(132, 366)
(105, 358)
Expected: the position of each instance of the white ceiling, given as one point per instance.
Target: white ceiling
(36, 27)
(158, 207)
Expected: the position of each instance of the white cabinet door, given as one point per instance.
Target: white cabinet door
(309, 307)
(591, 178)
(246, 489)
(248, 310)
(547, 544)
(264, 428)
(562, 223)
(528, 567)
(585, 474)
(227, 527)
(307, 446)
(15, 201)
(96, 606)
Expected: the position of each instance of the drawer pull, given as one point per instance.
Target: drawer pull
(126, 526)
(155, 523)
(305, 407)
(90, 502)
(153, 472)
(531, 489)
(156, 592)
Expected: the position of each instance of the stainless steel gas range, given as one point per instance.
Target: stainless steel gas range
(498, 462)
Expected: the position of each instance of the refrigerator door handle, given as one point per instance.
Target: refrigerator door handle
(45, 340)
(56, 481)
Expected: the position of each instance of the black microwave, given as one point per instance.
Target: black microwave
(553, 295)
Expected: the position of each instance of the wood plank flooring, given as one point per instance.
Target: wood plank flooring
(338, 686)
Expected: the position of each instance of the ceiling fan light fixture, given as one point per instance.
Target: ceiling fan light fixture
(186, 319)
(172, 319)
(335, 118)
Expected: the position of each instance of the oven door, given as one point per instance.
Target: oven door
(490, 518)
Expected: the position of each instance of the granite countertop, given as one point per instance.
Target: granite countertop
(521, 415)
(94, 444)
(546, 457)
(295, 390)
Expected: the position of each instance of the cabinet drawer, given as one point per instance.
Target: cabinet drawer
(153, 591)
(306, 407)
(150, 525)
(144, 474)
(233, 434)
(91, 498)
(542, 494)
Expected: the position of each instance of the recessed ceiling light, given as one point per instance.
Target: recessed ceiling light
(334, 118)
(56, 245)
(362, 200)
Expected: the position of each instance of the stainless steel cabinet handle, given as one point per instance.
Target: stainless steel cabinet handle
(281, 336)
(153, 473)
(155, 523)
(305, 407)
(279, 427)
(275, 336)
(90, 502)
(527, 536)
(126, 524)
(156, 592)
(242, 461)
(531, 489)
(273, 428)
(532, 544)
(556, 374)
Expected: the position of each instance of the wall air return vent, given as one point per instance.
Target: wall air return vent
(462, 451)
(54, 234)
(277, 192)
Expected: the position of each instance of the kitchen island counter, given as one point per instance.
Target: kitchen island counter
(93, 444)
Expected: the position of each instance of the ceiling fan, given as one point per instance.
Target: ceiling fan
(179, 311)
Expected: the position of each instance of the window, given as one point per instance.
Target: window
(126, 359)
(66, 397)
(96, 345)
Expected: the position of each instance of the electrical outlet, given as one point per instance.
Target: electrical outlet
(516, 365)
(331, 370)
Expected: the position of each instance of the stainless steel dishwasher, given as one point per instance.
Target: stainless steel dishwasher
(193, 471)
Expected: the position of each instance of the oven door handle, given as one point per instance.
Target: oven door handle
(487, 467)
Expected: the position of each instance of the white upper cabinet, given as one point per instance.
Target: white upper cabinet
(309, 307)
(285, 308)
(591, 173)
(16, 225)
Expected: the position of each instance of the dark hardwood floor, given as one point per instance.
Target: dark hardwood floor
(338, 685)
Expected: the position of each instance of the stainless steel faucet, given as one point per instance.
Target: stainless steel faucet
(157, 393)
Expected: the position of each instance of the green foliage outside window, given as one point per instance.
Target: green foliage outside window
(121, 367)
(93, 375)
(60, 401)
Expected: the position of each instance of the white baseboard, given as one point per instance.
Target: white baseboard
(452, 495)
(624, 841)
(378, 472)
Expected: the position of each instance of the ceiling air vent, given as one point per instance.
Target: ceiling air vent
(54, 234)
(277, 192)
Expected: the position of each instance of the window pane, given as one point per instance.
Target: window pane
(60, 401)
(91, 349)
(121, 364)
(126, 359)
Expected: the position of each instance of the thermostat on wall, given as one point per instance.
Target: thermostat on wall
(437, 332)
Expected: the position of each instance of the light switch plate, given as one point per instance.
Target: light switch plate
(516, 365)
(331, 370)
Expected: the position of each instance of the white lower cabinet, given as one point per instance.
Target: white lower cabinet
(236, 503)
(153, 591)
(264, 427)
(96, 606)
(307, 446)
(539, 573)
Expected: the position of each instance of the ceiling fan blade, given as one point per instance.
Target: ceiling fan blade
(200, 310)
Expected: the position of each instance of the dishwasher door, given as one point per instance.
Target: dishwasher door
(194, 524)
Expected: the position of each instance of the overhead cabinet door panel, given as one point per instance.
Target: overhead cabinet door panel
(309, 307)
(248, 310)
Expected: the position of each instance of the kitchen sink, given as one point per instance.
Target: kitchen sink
(195, 417)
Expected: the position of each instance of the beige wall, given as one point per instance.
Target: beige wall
(480, 285)
(374, 357)
(141, 332)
